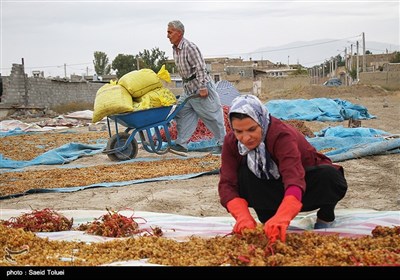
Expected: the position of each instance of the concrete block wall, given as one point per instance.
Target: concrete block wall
(392, 67)
(44, 93)
(372, 59)
(40, 92)
(244, 85)
(386, 79)
(14, 87)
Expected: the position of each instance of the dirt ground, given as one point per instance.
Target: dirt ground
(373, 181)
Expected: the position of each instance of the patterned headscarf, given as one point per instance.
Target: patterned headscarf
(258, 160)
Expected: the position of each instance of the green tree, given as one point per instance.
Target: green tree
(153, 59)
(340, 60)
(101, 65)
(124, 63)
(326, 67)
(353, 74)
(299, 71)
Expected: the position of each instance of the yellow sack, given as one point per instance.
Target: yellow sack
(156, 98)
(140, 82)
(111, 99)
(141, 103)
(163, 74)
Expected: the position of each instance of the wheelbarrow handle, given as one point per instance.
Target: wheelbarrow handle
(179, 106)
(195, 95)
(192, 96)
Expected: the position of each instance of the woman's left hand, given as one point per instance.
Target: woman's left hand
(275, 228)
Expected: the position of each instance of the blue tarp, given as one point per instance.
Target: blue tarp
(12, 132)
(344, 132)
(317, 109)
(347, 143)
(339, 137)
(388, 146)
(64, 154)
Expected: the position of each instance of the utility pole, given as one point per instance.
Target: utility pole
(312, 75)
(65, 70)
(346, 66)
(26, 96)
(364, 58)
(335, 66)
(351, 57)
(358, 63)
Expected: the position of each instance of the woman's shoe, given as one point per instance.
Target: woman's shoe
(322, 224)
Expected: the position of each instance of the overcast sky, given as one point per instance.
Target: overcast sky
(49, 34)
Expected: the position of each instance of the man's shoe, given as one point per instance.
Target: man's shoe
(216, 150)
(179, 148)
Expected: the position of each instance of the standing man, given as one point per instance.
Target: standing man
(192, 68)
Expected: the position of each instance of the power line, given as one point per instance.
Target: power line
(52, 66)
(58, 66)
(291, 48)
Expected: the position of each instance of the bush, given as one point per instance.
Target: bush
(396, 58)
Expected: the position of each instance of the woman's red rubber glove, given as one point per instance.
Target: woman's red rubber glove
(238, 207)
(276, 227)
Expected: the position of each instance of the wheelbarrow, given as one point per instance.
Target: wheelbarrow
(147, 124)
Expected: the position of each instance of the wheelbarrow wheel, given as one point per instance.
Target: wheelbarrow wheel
(129, 153)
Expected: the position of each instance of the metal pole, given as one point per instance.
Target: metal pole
(358, 63)
(364, 58)
(25, 84)
(336, 66)
(346, 66)
(351, 57)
